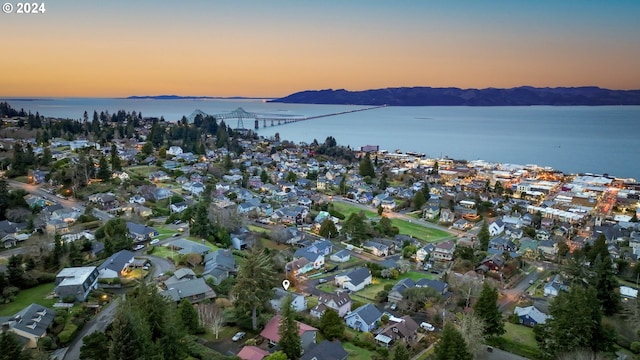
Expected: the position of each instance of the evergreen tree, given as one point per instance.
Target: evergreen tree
(600, 249)
(116, 165)
(189, 317)
(264, 177)
(115, 236)
(104, 173)
(15, 271)
(484, 236)
(328, 229)
(355, 227)
(486, 308)
(418, 200)
(130, 335)
(606, 284)
(575, 324)
(366, 167)
(94, 346)
(12, 348)
(254, 283)
(400, 351)
(288, 331)
(452, 345)
(46, 158)
(331, 325)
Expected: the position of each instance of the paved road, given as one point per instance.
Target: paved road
(67, 203)
(511, 296)
(99, 323)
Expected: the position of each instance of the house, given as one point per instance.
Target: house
(9, 241)
(299, 266)
(548, 248)
(528, 248)
(493, 262)
(252, 353)
(326, 350)
(182, 274)
(398, 329)
(365, 318)
(431, 212)
(104, 200)
(396, 294)
(30, 323)
(307, 333)
(446, 216)
(158, 176)
(444, 251)
(218, 265)
(137, 199)
(627, 292)
(314, 258)
(115, 265)
(354, 280)
(184, 246)
(462, 224)
(178, 207)
(376, 248)
(502, 244)
(553, 287)
(194, 291)
(249, 352)
(340, 301)
(298, 301)
(76, 282)
(424, 253)
(496, 227)
(140, 232)
(530, 316)
(341, 256)
(174, 150)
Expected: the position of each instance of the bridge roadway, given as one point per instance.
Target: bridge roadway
(281, 121)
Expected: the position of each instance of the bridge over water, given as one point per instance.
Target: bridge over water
(267, 119)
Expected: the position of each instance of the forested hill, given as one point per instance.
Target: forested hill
(428, 96)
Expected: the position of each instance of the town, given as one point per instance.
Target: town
(386, 254)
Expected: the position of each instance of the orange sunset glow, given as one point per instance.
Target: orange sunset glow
(270, 49)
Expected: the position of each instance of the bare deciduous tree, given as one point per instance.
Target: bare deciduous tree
(212, 317)
(471, 328)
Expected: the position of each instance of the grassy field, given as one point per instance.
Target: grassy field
(26, 297)
(407, 228)
(520, 334)
(356, 352)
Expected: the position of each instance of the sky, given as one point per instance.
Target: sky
(274, 48)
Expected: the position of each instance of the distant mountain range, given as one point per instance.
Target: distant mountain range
(428, 96)
(178, 97)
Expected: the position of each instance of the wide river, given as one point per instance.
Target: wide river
(573, 139)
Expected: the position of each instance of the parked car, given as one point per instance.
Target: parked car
(154, 241)
(322, 281)
(138, 247)
(238, 336)
(427, 326)
(394, 306)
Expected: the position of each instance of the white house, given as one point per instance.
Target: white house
(341, 256)
(174, 150)
(354, 280)
(496, 228)
(298, 301)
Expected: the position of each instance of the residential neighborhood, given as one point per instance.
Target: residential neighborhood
(410, 240)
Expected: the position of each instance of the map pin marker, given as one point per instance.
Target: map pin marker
(285, 284)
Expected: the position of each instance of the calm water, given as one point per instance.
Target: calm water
(574, 139)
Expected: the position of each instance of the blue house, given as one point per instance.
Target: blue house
(365, 318)
(530, 316)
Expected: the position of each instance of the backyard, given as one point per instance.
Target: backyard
(26, 297)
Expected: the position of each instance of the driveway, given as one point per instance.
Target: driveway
(99, 323)
(511, 296)
(160, 265)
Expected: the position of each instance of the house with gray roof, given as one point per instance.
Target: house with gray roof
(218, 265)
(530, 316)
(195, 290)
(365, 318)
(354, 280)
(340, 301)
(140, 232)
(182, 274)
(76, 282)
(341, 256)
(298, 301)
(376, 248)
(30, 323)
(326, 350)
(115, 265)
(184, 246)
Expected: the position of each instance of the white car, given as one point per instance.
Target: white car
(138, 247)
(427, 326)
(238, 336)
(154, 241)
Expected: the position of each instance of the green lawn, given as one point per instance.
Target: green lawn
(356, 352)
(407, 228)
(26, 297)
(520, 334)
